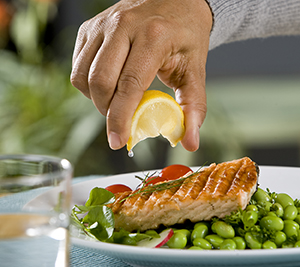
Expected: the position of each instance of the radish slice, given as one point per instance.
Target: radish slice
(157, 242)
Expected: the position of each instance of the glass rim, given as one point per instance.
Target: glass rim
(65, 171)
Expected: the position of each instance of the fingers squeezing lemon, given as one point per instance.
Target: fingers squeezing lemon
(158, 113)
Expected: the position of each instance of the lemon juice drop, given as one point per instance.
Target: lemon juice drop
(130, 154)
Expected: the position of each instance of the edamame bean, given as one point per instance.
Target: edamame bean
(290, 212)
(277, 209)
(249, 218)
(269, 245)
(199, 232)
(228, 244)
(271, 223)
(215, 240)
(186, 232)
(178, 240)
(297, 219)
(202, 243)
(284, 200)
(252, 241)
(280, 238)
(290, 228)
(251, 208)
(223, 229)
(261, 196)
(240, 242)
(202, 223)
(271, 213)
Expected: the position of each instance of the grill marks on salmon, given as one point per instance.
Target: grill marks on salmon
(213, 191)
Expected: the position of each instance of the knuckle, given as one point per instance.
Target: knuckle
(100, 83)
(129, 80)
(157, 29)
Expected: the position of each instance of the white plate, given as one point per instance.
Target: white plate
(277, 179)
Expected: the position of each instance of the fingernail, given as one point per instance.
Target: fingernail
(114, 140)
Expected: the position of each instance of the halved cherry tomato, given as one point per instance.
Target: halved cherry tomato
(169, 173)
(174, 171)
(118, 188)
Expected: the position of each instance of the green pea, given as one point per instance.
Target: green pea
(298, 239)
(223, 229)
(202, 243)
(195, 248)
(240, 242)
(290, 212)
(249, 218)
(297, 219)
(284, 200)
(297, 244)
(252, 241)
(215, 240)
(186, 232)
(277, 209)
(271, 223)
(290, 228)
(280, 238)
(251, 208)
(178, 240)
(269, 245)
(228, 244)
(199, 232)
(261, 196)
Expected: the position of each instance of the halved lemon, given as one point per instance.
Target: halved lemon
(157, 114)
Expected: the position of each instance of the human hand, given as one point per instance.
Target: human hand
(119, 52)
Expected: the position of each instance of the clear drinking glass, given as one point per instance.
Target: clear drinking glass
(35, 194)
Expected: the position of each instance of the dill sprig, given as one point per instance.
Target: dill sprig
(145, 188)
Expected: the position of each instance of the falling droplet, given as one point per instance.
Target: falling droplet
(130, 154)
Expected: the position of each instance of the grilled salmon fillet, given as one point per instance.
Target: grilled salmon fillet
(213, 191)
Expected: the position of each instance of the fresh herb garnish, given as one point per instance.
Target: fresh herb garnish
(147, 188)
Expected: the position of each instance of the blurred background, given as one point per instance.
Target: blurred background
(253, 90)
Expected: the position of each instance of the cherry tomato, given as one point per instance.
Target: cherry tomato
(169, 173)
(174, 171)
(118, 188)
(154, 180)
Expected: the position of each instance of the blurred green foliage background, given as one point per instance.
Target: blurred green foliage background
(41, 113)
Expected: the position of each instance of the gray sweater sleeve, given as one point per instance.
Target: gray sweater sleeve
(236, 20)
